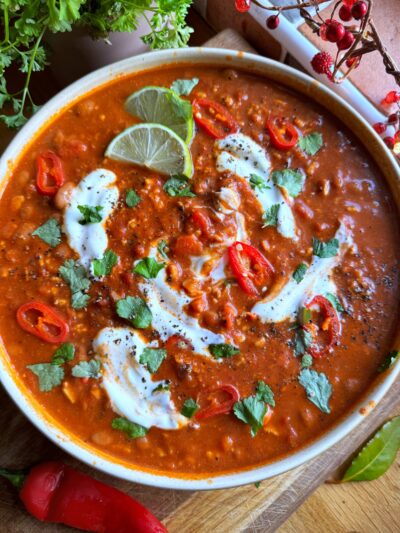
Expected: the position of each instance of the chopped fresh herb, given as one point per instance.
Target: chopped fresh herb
(325, 249)
(251, 410)
(219, 351)
(292, 180)
(334, 301)
(304, 315)
(132, 198)
(389, 361)
(300, 272)
(306, 360)
(302, 341)
(270, 216)
(131, 429)
(148, 268)
(103, 267)
(311, 143)
(91, 215)
(49, 232)
(377, 455)
(265, 393)
(317, 387)
(64, 353)
(162, 249)
(184, 87)
(75, 276)
(178, 186)
(189, 408)
(50, 375)
(136, 310)
(152, 358)
(257, 484)
(162, 387)
(180, 108)
(87, 369)
(257, 182)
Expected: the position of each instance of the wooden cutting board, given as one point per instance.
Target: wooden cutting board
(243, 509)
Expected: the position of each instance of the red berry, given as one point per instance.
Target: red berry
(242, 5)
(393, 118)
(380, 127)
(392, 97)
(346, 41)
(359, 10)
(390, 142)
(322, 63)
(273, 22)
(334, 31)
(345, 13)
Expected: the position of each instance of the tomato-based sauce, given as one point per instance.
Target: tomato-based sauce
(255, 348)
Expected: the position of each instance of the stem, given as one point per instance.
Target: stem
(15, 477)
(25, 90)
(6, 26)
(311, 3)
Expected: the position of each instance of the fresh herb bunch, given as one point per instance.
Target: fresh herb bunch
(24, 23)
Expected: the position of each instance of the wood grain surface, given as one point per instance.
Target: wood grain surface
(333, 508)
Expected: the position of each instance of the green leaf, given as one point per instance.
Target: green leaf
(87, 369)
(302, 341)
(334, 301)
(131, 429)
(15, 477)
(257, 182)
(257, 484)
(64, 353)
(219, 351)
(265, 393)
(389, 361)
(306, 361)
(50, 375)
(325, 249)
(251, 410)
(162, 247)
(132, 198)
(304, 316)
(103, 267)
(292, 180)
(300, 272)
(75, 276)
(136, 310)
(377, 455)
(178, 186)
(162, 387)
(180, 108)
(148, 268)
(189, 408)
(317, 387)
(270, 216)
(49, 232)
(184, 87)
(91, 214)
(152, 358)
(311, 143)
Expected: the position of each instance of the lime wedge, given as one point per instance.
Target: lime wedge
(160, 105)
(153, 146)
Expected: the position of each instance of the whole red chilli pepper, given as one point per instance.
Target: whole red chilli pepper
(55, 492)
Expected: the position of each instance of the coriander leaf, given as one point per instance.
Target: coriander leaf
(311, 143)
(161, 247)
(136, 310)
(220, 351)
(300, 272)
(257, 484)
(178, 186)
(389, 361)
(257, 182)
(103, 267)
(87, 369)
(270, 216)
(49, 375)
(64, 353)
(251, 410)
(148, 268)
(304, 315)
(317, 387)
(152, 358)
(49, 232)
(334, 301)
(91, 215)
(377, 455)
(162, 387)
(184, 87)
(132, 198)
(303, 340)
(75, 276)
(265, 393)
(306, 360)
(292, 180)
(132, 430)
(189, 408)
(325, 249)
(180, 108)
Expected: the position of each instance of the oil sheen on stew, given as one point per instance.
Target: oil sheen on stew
(205, 323)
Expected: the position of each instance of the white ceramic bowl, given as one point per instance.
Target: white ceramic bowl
(274, 71)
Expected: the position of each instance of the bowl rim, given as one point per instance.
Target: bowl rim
(26, 402)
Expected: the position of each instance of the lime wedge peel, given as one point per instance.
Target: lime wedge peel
(159, 105)
(153, 146)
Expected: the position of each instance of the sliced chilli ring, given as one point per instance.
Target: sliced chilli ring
(224, 407)
(48, 326)
(330, 316)
(220, 124)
